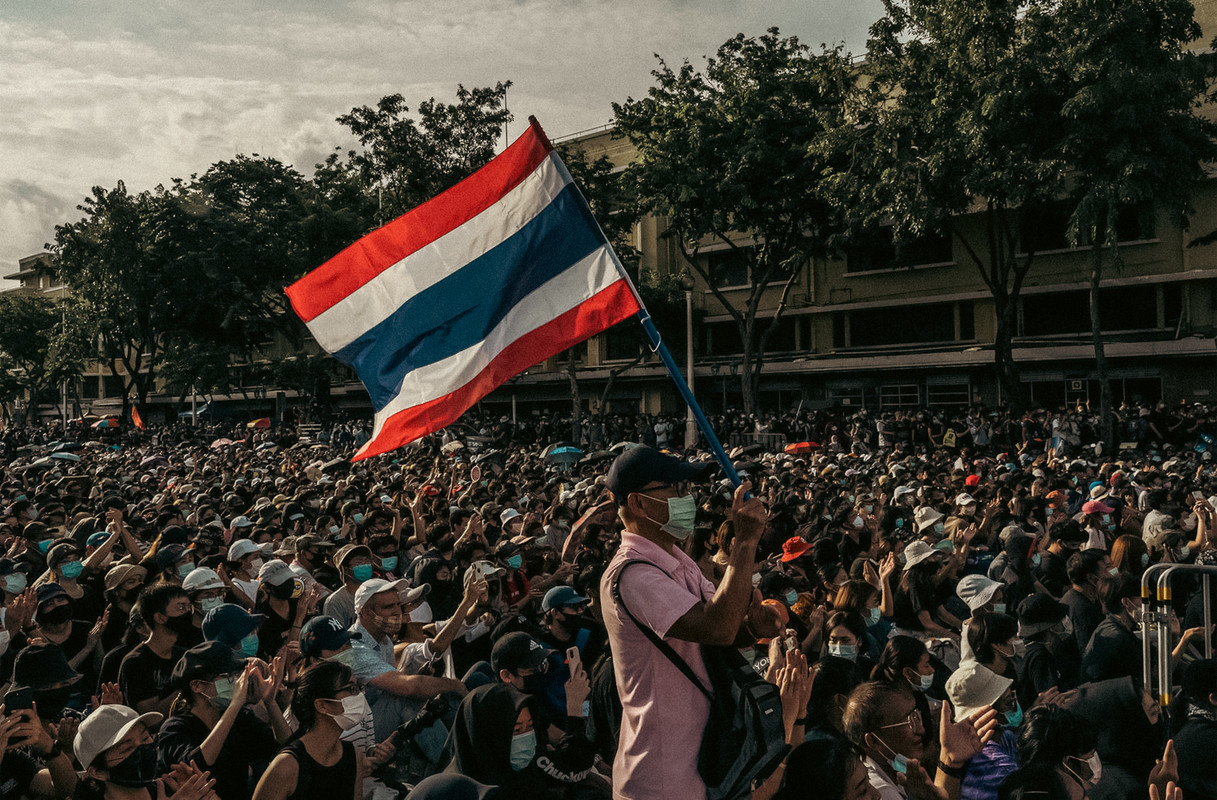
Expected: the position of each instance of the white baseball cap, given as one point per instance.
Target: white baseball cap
(241, 548)
(202, 578)
(105, 728)
(375, 586)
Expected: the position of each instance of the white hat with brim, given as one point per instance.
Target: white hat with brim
(976, 590)
(106, 727)
(916, 552)
(973, 687)
(370, 588)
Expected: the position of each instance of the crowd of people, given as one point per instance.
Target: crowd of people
(948, 605)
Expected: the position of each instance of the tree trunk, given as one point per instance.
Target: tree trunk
(1003, 353)
(1106, 419)
(576, 399)
(612, 377)
(749, 369)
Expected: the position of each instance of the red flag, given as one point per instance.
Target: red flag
(136, 418)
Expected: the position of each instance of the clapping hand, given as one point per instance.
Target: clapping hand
(964, 739)
(1165, 774)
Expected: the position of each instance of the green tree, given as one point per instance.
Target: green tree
(406, 160)
(962, 116)
(742, 149)
(1133, 139)
(32, 341)
(119, 289)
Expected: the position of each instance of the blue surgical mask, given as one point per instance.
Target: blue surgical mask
(1015, 718)
(1035, 560)
(926, 682)
(847, 651)
(334, 529)
(389, 563)
(224, 688)
(999, 608)
(208, 603)
(899, 523)
(15, 583)
(792, 597)
(44, 545)
(249, 645)
(523, 749)
(361, 572)
(185, 569)
(71, 570)
(357, 519)
(940, 527)
(876, 614)
(515, 562)
(1144, 559)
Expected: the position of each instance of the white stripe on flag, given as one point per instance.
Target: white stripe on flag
(583, 280)
(372, 303)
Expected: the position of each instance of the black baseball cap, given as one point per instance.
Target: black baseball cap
(206, 661)
(638, 466)
(324, 633)
(517, 650)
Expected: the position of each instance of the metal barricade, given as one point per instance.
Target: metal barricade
(1156, 610)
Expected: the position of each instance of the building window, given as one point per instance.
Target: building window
(875, 250)
(845, 395)
(1045, 226)
(899, 395)
(904, 325)
(1121, 308)
(112, 386)
(948, 394)
(728, 267)
(622, 341)
(88, 387)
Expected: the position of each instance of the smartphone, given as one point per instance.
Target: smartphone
(572, 657)
(791, 643)
(1198, 495)
(19, 699)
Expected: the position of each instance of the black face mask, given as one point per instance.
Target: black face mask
(284, 591)
(55, 616)
(52, 702)
(137, 770)
(534, 683)
(183, 625)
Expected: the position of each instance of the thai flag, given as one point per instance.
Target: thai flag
(448, 301)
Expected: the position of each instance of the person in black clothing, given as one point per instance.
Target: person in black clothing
(494, 742)
(123, 585)
(1085, 570)
(136, 631)
(1196, 737)
(146, 674)
(211, 724)
(1052, 573)
(1114, 650)
(317, 764)
(1051, 658)
(79, 640)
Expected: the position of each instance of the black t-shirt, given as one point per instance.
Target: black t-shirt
(250, 746)
(110, 663)
(17, 771)
(144, 675)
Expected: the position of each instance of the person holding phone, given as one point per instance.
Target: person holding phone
(21, 729)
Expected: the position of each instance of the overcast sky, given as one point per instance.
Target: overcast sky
(97, 91)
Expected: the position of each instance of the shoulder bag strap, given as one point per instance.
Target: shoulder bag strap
(654, 638)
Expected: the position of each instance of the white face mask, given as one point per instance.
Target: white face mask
(255, 565)
(354, 709)
(423, 613)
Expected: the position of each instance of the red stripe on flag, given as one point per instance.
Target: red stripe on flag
(601, 311)
(384, 247)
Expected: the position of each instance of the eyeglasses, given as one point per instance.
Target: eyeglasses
(681, 488)
(913, 720)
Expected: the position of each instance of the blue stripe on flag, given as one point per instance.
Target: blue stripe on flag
(463, 308)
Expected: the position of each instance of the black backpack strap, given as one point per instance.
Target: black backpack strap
(654, 638)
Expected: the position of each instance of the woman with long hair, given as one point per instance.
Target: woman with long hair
(317, 764)
(1130, 555)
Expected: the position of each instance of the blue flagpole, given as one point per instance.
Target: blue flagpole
(682, 385)
(657, 344)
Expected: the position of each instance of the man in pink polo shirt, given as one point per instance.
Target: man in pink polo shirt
(664, 714)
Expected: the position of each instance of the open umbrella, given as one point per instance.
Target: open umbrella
(598, 455)
(801, 448)
(621, 447)
(564, 456)
(108, 422)
(336, 465)
(63, 447)
(154, 461)
(263, 422)
(218, 443)
(62, 456)
(452, 447)
(94, 445)
(267, 446)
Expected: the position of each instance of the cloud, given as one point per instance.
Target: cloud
(106, 90)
